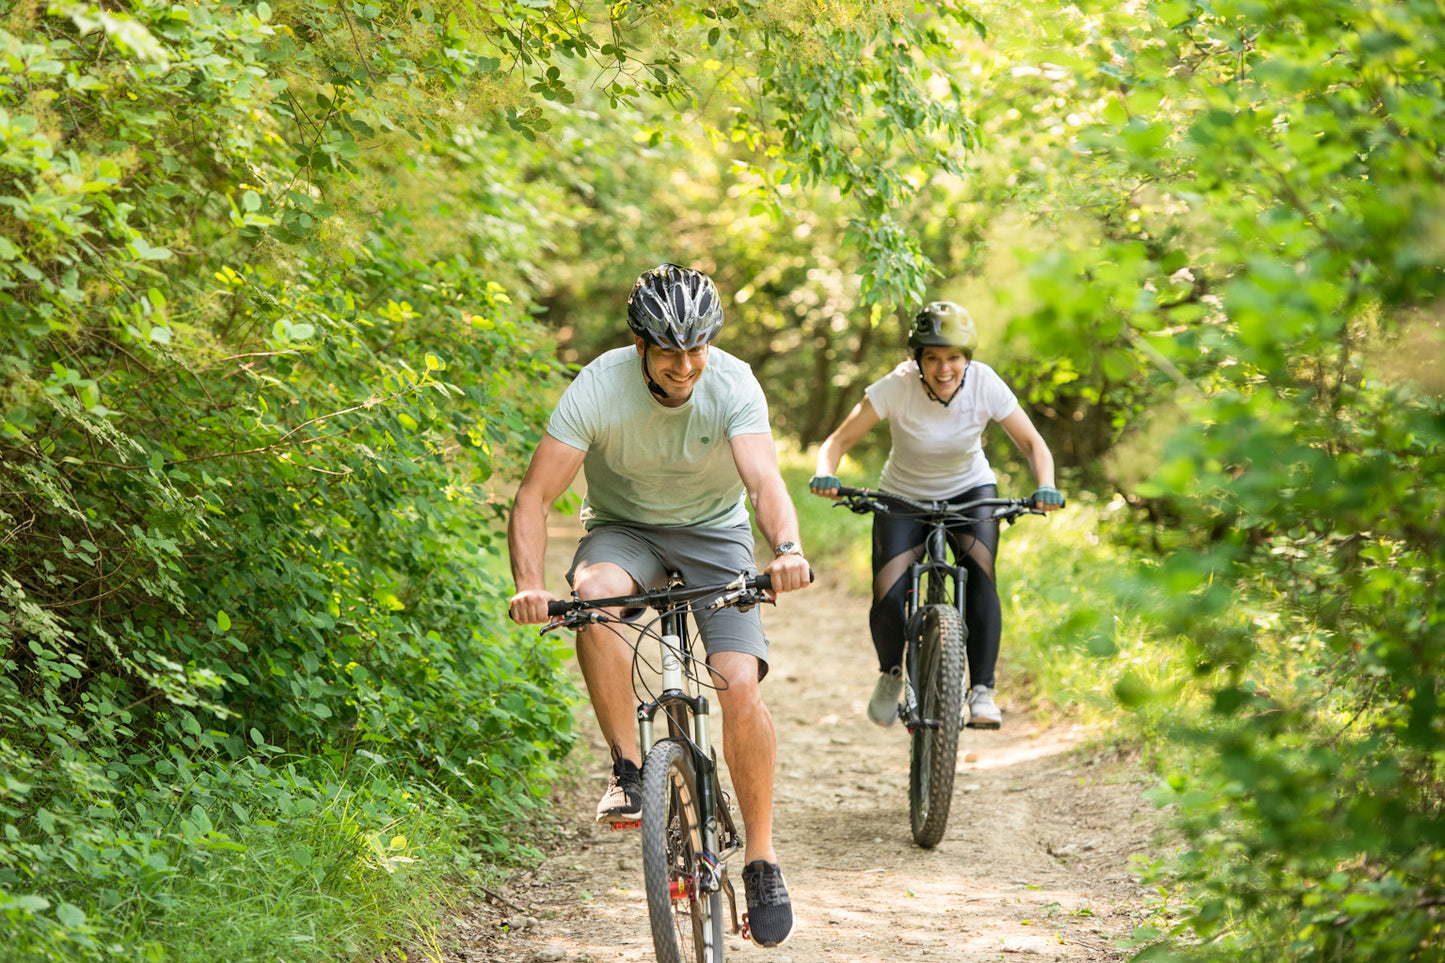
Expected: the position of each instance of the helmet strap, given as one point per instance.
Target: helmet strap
(652, 386)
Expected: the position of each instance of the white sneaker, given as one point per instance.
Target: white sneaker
(883, 707)
(982, 713)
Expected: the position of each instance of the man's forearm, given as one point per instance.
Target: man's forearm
(527, 544)
(776, 517)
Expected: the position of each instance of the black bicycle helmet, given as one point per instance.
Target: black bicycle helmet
(943, 324)
(674, 307)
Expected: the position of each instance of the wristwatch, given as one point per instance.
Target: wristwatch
(787, 548)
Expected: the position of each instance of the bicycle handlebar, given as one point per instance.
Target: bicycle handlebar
(876, 500)
(743, 589)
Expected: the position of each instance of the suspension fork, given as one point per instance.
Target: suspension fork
(934, 567)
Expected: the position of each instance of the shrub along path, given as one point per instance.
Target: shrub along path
(1034, 865)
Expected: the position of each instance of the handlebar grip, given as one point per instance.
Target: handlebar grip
(765, 582)
(558, 607)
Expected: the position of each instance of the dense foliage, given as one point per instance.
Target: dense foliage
(248, 419)
(1288, 261)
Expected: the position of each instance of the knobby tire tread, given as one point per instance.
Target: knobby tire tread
(672, 842)
(933, 758)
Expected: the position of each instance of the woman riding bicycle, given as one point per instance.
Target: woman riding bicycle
(939, 403)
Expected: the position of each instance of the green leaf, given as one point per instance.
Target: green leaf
(70, 915)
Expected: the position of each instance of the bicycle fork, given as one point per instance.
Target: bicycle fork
(936, 572)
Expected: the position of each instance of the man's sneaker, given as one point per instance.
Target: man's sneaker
(982, 713)
(622, 802)
(770, 912)
(883, 707)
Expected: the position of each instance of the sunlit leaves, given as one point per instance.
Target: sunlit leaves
(1283, 170)
(246, 488)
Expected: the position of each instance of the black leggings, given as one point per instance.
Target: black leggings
(897, 543)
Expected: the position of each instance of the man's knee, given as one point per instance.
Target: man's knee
(600, 580)
(735, 676)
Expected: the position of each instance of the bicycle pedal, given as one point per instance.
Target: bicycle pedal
(630, 824)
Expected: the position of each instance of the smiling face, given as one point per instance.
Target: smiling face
(676, 371)
(943, 370)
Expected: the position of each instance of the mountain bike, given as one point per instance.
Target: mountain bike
(688, 832)
(932, 703)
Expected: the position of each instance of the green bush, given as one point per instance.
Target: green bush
(250, 612)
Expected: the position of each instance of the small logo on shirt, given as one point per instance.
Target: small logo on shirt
(706, 440)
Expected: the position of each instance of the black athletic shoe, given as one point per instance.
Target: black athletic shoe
(770, 912)
(622, 802)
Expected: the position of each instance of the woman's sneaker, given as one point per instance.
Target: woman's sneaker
(883, 707)
(982, 713)
(770, 911)
(622, 802)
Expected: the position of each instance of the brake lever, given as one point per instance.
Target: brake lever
(573, 620)
(728, 598)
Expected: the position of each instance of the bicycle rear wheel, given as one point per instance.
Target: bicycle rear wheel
(687, 922)
(934, 751)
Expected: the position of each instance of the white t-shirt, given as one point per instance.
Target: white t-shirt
(937, 450)
(653, 464)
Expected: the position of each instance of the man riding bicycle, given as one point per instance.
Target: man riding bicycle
(671, 434)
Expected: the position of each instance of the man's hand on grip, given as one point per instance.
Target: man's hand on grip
(529, 607)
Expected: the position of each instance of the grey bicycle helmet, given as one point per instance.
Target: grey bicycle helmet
(943, 324)
(674, 307)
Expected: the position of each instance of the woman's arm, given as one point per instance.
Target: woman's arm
(830, 454)
(1033, 447)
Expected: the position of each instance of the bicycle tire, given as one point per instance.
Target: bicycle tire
(933, 755)
(687, 924)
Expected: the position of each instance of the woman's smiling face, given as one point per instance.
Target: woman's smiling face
(943, 370)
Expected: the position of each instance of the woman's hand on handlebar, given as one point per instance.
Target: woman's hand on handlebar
(529, 607)
(825, 485)
(789, 573)
(1048, 498)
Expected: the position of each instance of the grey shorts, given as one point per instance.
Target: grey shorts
(703, 556)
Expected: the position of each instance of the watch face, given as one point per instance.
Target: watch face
(786, 548)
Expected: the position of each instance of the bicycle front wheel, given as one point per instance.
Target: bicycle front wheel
(687, 920)
(934, 752)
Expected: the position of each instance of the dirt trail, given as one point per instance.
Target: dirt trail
(1033, 866)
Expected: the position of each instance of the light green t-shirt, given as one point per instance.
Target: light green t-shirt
(653, 464)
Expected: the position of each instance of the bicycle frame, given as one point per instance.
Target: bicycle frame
(681, 744)
(680, 705)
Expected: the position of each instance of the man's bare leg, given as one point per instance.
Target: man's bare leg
(750, 746)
